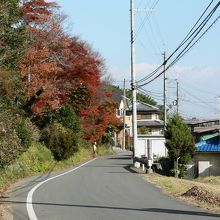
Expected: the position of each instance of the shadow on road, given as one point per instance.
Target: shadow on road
(120, 158)
(154, 210)
(35, 180)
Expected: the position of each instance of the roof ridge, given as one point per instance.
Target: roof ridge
(152, 106)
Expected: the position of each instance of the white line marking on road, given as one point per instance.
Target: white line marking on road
(29, 205)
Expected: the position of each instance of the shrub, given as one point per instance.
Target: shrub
(62, 141)
(68, 118)
(167, 166)
(37, 158)
(20, 126)
(10, 143)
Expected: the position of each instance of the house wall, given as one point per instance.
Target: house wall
(158, 147)
(214, 163)
(151, 116)
(155, 116)
(156, 131)
(128, 121)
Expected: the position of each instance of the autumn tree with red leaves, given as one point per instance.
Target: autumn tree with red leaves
(63, 69)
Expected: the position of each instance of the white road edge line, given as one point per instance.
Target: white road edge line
(29, 205)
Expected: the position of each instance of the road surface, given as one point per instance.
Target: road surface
(102, 189)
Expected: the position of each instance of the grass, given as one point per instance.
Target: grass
(38, 160)
(176, 187)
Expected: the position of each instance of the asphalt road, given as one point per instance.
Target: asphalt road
(103, 189)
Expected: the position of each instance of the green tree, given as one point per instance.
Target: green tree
(141, 97)
(13, 39)
(179, 142)
(12, 35)
(60, 140)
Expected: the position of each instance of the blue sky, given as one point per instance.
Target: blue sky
(106, 26)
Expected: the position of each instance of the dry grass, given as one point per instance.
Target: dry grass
(176, 187)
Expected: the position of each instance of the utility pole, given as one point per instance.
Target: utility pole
(219, 120)
(164, 90)
(124, 115)
(133, 81)
(177, 96)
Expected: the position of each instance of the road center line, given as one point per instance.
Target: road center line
(29, 204)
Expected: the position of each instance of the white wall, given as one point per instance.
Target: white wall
(214, 163)
(158, 147)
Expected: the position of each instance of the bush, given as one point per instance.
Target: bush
(10, 143)
(38, 158)
(167, 166)
(68, 118)
(20, 126)
(62, 141)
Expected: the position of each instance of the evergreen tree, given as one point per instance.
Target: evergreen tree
(179, 142)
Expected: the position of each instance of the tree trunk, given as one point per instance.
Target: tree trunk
(176, 168)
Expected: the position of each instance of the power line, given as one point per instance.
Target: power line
(181, 54)
(201, 100)
(147, 17)
(189, 35)
(189, 46)
(186, 51)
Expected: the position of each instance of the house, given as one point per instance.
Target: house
(150, 137)
(207, 155)
(151, 141)
(122, 136)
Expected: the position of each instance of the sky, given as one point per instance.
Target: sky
(105, 25)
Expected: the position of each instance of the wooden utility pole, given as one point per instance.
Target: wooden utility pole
(177, 96)
(133, 81)
(165, 91)
(219, 120)
(124, 115)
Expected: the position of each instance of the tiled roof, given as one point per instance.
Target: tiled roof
(153, 123)
(199, 121)
(206, 129)
(208, 148)
(141, 106)
(116, 97)
(209, 136)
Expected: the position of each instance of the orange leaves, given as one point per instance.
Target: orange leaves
(68, 70)
(97, 118)
(37, 11)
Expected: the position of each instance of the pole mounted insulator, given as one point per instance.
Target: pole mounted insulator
(133, 86)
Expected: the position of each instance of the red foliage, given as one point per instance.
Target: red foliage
(68, 70)
(37, 11)
(98, 118)
(57, 62)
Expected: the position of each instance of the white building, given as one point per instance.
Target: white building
(151, 141)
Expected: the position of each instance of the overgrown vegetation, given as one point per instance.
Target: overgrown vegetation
(51, 92)
(39, 159)
(61, 140)
(16, 135)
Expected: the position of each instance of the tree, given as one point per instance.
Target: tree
(97, 119)
(66, 70)
(57, 62)
(12, 44)
(143, 98)
(179, 142)
(37, 12)
(12, 35)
